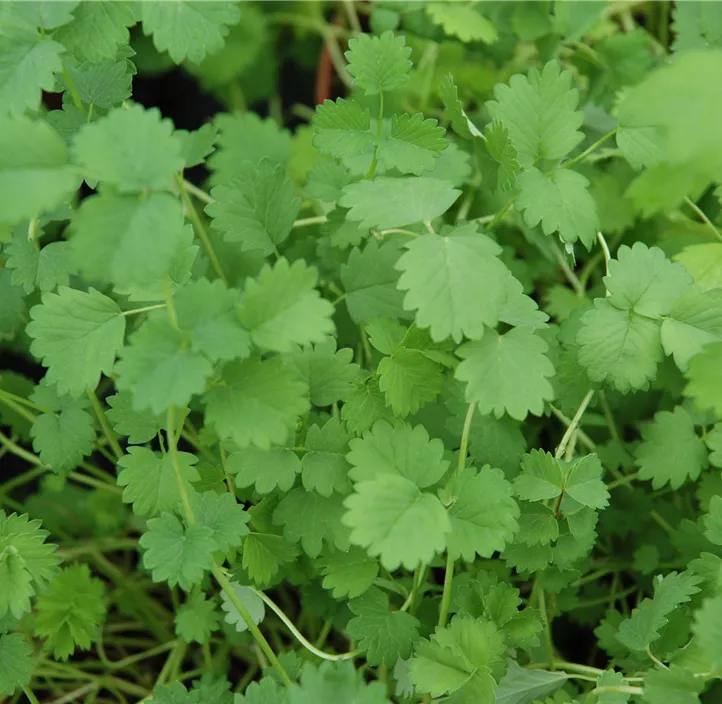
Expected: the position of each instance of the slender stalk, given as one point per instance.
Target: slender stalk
(23, 401)
(144, 309)
(76, 694)
(573, 425)
(198, 192)
(353, 19)
(398, 231)
(199, 228)
(374, 160)
(622, 689)
(703, 217)
(567, 270)
(499, 216)
(305, 222)
(548, 644)
(605, 249)
(336, 55)
(298, 635)
(175, 460)
(589, 150)
(72, 88)
(104, 425)
(31, 697)
(446, 594)
(21, 452)
(227, 587)
(172, 315)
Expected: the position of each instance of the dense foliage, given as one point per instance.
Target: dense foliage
(415, 396)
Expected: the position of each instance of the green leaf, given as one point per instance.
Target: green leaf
(704, 262)
(253, 603)
(256, 207)
(369, 279)
(697, 25)
(502, 151)
(542, 477)
(175, 693)
(47, 14)
(707, 628)
(335, 682)
(673, 685)
(341, 128)
(619, 347)
(397, 202)
(132, 149)
(207, 310)
(282, 307)
(463, 21)
(329, 373)
(460, 660)
(263, 555)
(561, 202)
(265, 470)
(384, 635)
(403, 452)
(71, 612)
(348, 573)
(28, 63)
(519, 685)
(27, 562)
(188, 30)
(197, 145)
(483, 514)
(364, 406)
(177, 554)
(413, 145)
(378, 63)
(454, 282)
(391, 518)
(644, 625)
(671, 452)
(109, 230)
(264, 691)
(583, 482)
(150, 480)
(197, 619)
(540, 112)
(16, 657)
(34, 173)
(65, 435)
(694, 320)
(614, 680)
(537, 524)
(77, 335)
(641, 146)
(312, 520)
(409, 379)
(454, 109)
(704, 378)
(644, 280)
(507, 373)
(324, 468)
(97, 30)
(33, 267)
(226, 518)
(102, 85)
(159, 368)
(258, 402)
(714, 443)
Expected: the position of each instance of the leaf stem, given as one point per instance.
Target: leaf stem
(172, 315)
(446, 594)
(198, 192)
(29, 694)
(144, 309)
(703, 217)
(567, 270)
(72, 88)
(227, 587)
(175, 460)
(375, 160)
(200, 229)
(104, 425)
(352, 15)
(548, 644)
(605, 249)
(589, 150)
(573, 425)
(305, 222)
(298, 635)
(21, 452)
(14, 402)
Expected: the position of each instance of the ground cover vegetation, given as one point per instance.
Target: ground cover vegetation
(381, 362)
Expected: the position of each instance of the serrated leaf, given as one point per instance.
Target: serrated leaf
(33, 267)
(483, 514)
(256, 207)
(253, 603)
(15, 655)
(324, 467)
(263, 555)
(348, 573)
(341, 128)
(28, 63)
(673, 685)
(177, 554)
(671, 451)
(258, 402)
(542, 477)
(188, 30)
(502, 151)
(133, 149)
(704, 262)
(226, 518)
(197, 619)
(397, 202)
(265, 470)
(561, 202)
(519, 686)
(704, 378)
(507, 373)
(63, 439)
(454, 109)
(619, 347)
(77, 335)
(378, 63)
(198, 144)
(364, 406)
(282, 307)
(413, 145)
(102, 85)
(34, 172)
(454, 282)
(384, 635)
(409, 379)
(539, 110)
(150, 482)
(463, 21)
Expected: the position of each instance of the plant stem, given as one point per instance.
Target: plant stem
(200, 229)
(144, 309)
(500, 215)
(446, 594)
(198, 192)
(573, 425)
(298, 635)
(589, 150)
(175, 460)
(605, 250)
(374, 160)
(353, 19)
(305, 222)
(548, 644)
(14, 402)
(704, 218)
(20, 452)
(72, 88)
(568, 272)
(227, 587)
(104, 425)
(29, 694)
